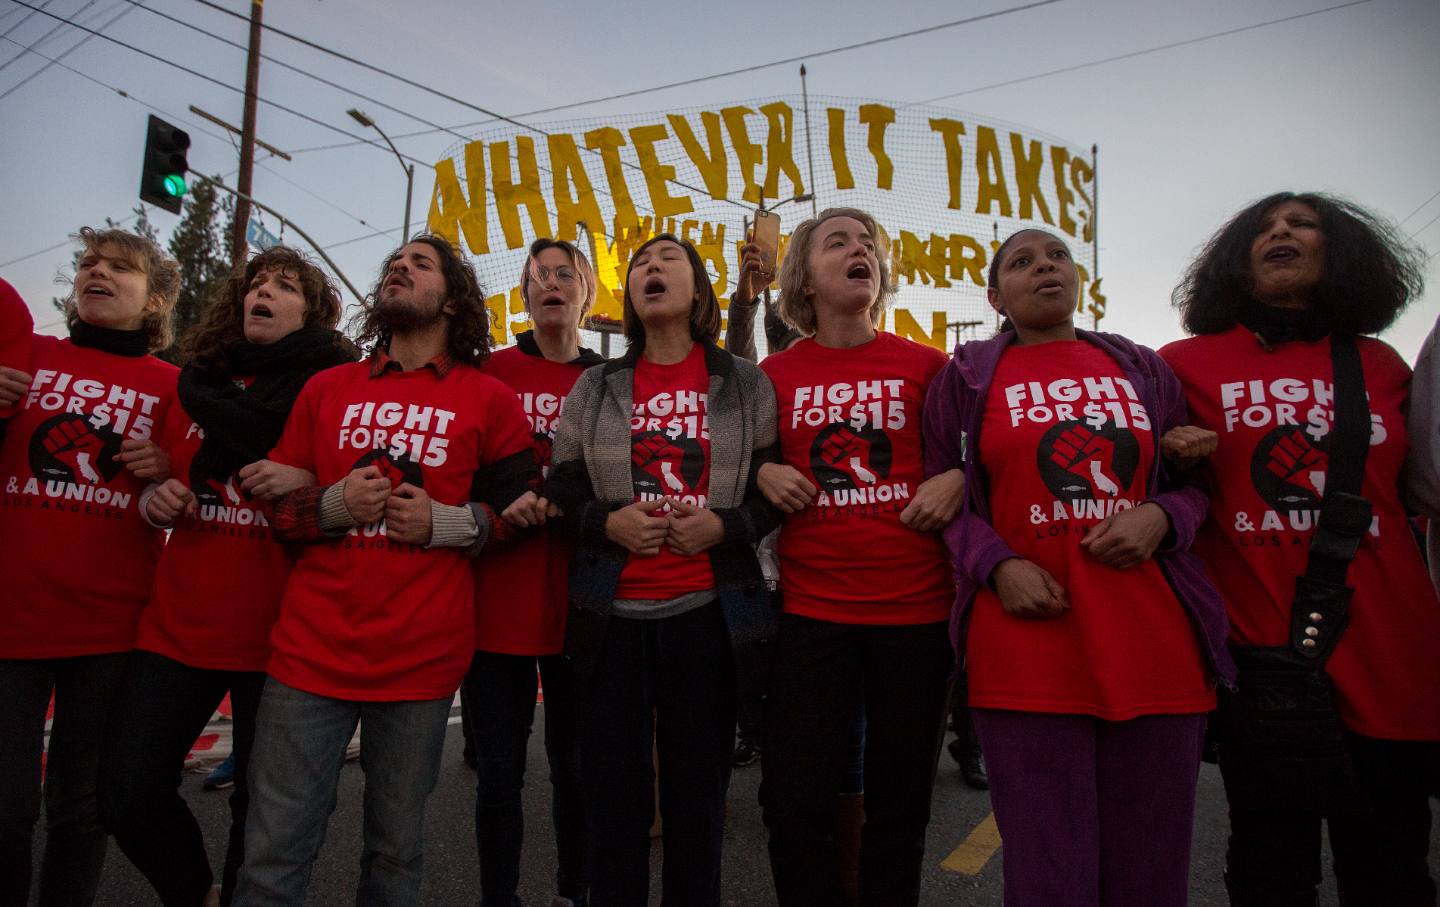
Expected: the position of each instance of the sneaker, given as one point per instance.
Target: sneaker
(579, 900)
(222, 775)
(746, 753)
(972, 765)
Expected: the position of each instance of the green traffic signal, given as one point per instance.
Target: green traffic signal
(162, 174)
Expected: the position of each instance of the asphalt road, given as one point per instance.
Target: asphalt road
(962, 862)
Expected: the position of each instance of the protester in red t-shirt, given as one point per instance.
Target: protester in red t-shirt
(376, 624)
(520, 602)
(1265, 298)
(654, 472)
(217, 589)
(78, 556)
(1090, 636)
(864, 578)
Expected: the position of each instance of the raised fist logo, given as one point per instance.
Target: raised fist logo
(1080, 451)
(1081, 462)
(217, 492)
(68, 448)
(654, 456)
(1288, 469)
(398, 470)
(842, 456)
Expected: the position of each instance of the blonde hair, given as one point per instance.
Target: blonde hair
(162, 279)
(577, 258)
(796, 304)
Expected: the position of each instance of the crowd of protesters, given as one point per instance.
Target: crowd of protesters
(1080, 547)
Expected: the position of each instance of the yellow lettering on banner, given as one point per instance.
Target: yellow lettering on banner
(844, 179)
(607, 140)
(1097, 301)
(656, 173)
(915, 260)
(950, 132)
(747, 153)
(906, 326)
(574, 196)
(609, 279)
(992, 174)
(1082, 176)
(712, 251)
(1059, 157)
(1027, 176)
(510, 194)
(968, 256)
(450, 213)
(714, 168)
(877, 117)
(495, 307)
(779, 150)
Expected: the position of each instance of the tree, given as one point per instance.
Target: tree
(199, 245)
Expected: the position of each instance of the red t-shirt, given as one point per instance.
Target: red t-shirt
(217, 589)
(16, 326)
(850, 423)
(669, 455)
(521, 591)
(362, 618)
(77, 557)
(1066, 442)
(1273, 413)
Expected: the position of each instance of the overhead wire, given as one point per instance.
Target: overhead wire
(211, 79)
(54, 61)
(1137, 53)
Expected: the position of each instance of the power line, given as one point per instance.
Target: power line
(1137, 53)
(1419, 209)
(200, 75)
(56, 60)
(515, 122)
(1427, 224)
(40, 40)
(668, 85)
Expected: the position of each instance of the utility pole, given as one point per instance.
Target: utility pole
(238, 244)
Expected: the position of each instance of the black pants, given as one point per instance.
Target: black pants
(74, 842)
(1380, 848)
(822, 672)
(161, 707)
(670, 682)
(500, 693)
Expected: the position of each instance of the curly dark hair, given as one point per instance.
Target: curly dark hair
(1370, 272)
(224, 320)
(469, 336)
(704, 308)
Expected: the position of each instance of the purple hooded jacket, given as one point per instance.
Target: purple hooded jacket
(954, 409)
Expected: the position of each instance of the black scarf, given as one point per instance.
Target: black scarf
(110, 340)
(242, 424)
(1273, 325)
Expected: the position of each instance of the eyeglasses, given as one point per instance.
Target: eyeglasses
(562, 274)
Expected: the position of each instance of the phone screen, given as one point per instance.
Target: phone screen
(767, 237)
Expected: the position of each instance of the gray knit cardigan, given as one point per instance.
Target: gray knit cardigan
(590, 477)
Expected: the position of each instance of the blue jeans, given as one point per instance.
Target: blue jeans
(300, 741)
(500, 693)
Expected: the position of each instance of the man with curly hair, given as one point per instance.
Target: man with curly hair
(376, 622)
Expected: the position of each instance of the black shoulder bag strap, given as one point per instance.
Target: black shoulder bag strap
(1322, 599)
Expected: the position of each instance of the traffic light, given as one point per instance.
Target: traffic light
(162, 175)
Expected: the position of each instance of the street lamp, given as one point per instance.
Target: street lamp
(368, 123)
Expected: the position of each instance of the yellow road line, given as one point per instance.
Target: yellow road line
(976, 850)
